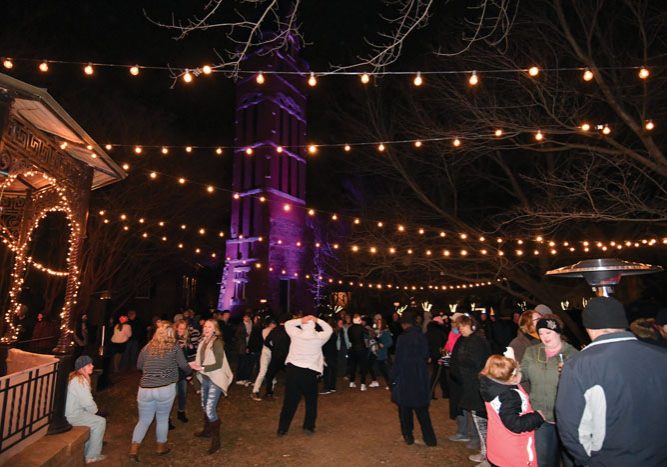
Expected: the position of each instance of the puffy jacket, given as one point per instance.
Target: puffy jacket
(611, 406)
(510, 436)
(543, 375)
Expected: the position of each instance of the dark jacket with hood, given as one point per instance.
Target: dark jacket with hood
(509, 405)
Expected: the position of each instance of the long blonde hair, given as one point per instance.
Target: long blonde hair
(163, 340)
(79, 374)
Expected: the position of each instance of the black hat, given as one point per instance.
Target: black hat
(604, 313)
(408, 317)
(550, 324)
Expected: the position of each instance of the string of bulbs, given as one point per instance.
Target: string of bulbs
(188, 74)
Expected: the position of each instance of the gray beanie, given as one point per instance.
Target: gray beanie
(82, 361)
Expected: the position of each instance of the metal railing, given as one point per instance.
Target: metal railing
(26, 403)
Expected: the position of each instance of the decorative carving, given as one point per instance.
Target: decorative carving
(11, 212)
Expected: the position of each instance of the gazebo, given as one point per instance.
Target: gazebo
(48, 164)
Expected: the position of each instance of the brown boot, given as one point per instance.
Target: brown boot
(134, 452)
(205, 431)
(162, 449)
(214, 430)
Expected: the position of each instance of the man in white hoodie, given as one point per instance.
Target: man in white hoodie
(305, 363)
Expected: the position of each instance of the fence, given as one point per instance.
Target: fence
(26, 400)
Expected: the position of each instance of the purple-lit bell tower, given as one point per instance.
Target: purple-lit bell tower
(266, 251)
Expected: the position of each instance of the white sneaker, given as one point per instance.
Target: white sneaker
(91, 460)
(241, 382)
(352, 385)
(363, 387)
(374, 384)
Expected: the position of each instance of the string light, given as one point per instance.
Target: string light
(365, 78)
(588, 75)
(533, 71)
(312, 149)
(187, 77)
(606, 130)
(88, 69)
(218, 151)
(248, 151)
(134, 71)
(539, 136)
(207, 70)
(8, 63)
(164, 150)
(418, 81)
(381, 147)
(644, 73)
(418, 144)
(347, 148)
(188, 149)
(585, 127)
(312, 81)
(649, 125)
(473, 79)
(44, 67)
(260, 78)
(456, 142)
(498, 133)
(138, 150)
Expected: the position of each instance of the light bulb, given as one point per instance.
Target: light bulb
(649, 125)
(138, 150)
(134, 71)
(456, 142)
(312, 81)
(606, 130)
(164, 150)
(188, 149)
(181, 181)
(44, 67)
(539, 136)
(7, 63)
(418, 81)
(126, 166)
(187, 76)
(473, 79)
(108, 147)
(533, 71)
(286, 207)
(279, 149)
(259, 78)
(644, 73)
(88, 69)
(218, 151)
(381, 147)
(347, 148)
(249, 151)
(585, 127)
(498, 132)
(365, 78)
(588, 75)
(153, 175)
(312, 149)
(418, 144)
(210, 189)
(206, 69)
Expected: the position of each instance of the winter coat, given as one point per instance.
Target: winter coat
(510, 435)
(520, 343)
(468, 359)
(278, 341)
(409, 375)
(543, 375)
(436, 337)
(612, 403)
(357, 336)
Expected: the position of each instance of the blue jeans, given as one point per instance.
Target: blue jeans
(97, 425)
(210, 394)
(154, 403)
(182, 393)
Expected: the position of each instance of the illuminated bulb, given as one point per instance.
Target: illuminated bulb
(409, 251)
(138, 149)
(202, 231)
(483, 252)
(123, 217)
(585, 127)
(153, 175)
(63, 145)
(89, 147)
(464, 252)
(161, 223)
(482, 239)
(401, 228)
(380, 224)
(334, 217)
(418, 144)
(355, 248)
(222, 234)
(183, 226)
(210, 189)
(43, 67)
(421, 231)
(312, 149)
(312, 81)
(539, 136)
(88, 69)
(7, 63)
(443, 234)
(134, 71)
(365, 78)
(456, 142)
(188, 149)
(126, 166)
(519, 252)
(357, 221)
(164, 150)
(93, 155)
(392, 250)
(145, 235)
(464, 236)
(644, 73)
(418, 81)
(181, 181)
(187, 77)
(236, 196)
(473, 79)
(347, 148)
(197, 250)
(649, 125)
(286, 207)
(108, 147)
(218, 151)
(606, 130)
(533, 71)
(206, 69)
(102, 213)
(213, 255)
(498, 132)
(588, 75)
(248, 151)
(311, 212)
(126, 227)
(260, 78)
(381, 147)
(279, 149)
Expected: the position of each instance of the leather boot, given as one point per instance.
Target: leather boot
(205, 431)
(214, 430)
(134, 452)
(162, 449)
(181, 416)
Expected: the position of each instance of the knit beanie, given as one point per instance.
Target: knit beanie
(82, 361)
(550, 324)
(604, 313)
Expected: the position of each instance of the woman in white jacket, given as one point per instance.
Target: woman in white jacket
(81, 410)
(215, 376)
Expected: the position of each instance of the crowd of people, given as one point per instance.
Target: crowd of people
(519, 392)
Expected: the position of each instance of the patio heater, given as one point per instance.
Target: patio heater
(603, 274)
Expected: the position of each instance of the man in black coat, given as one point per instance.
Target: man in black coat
(410, 382)
(278, 341)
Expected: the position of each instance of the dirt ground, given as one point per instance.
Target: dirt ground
(354, 428)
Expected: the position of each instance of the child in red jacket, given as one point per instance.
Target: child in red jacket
(511, 419)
